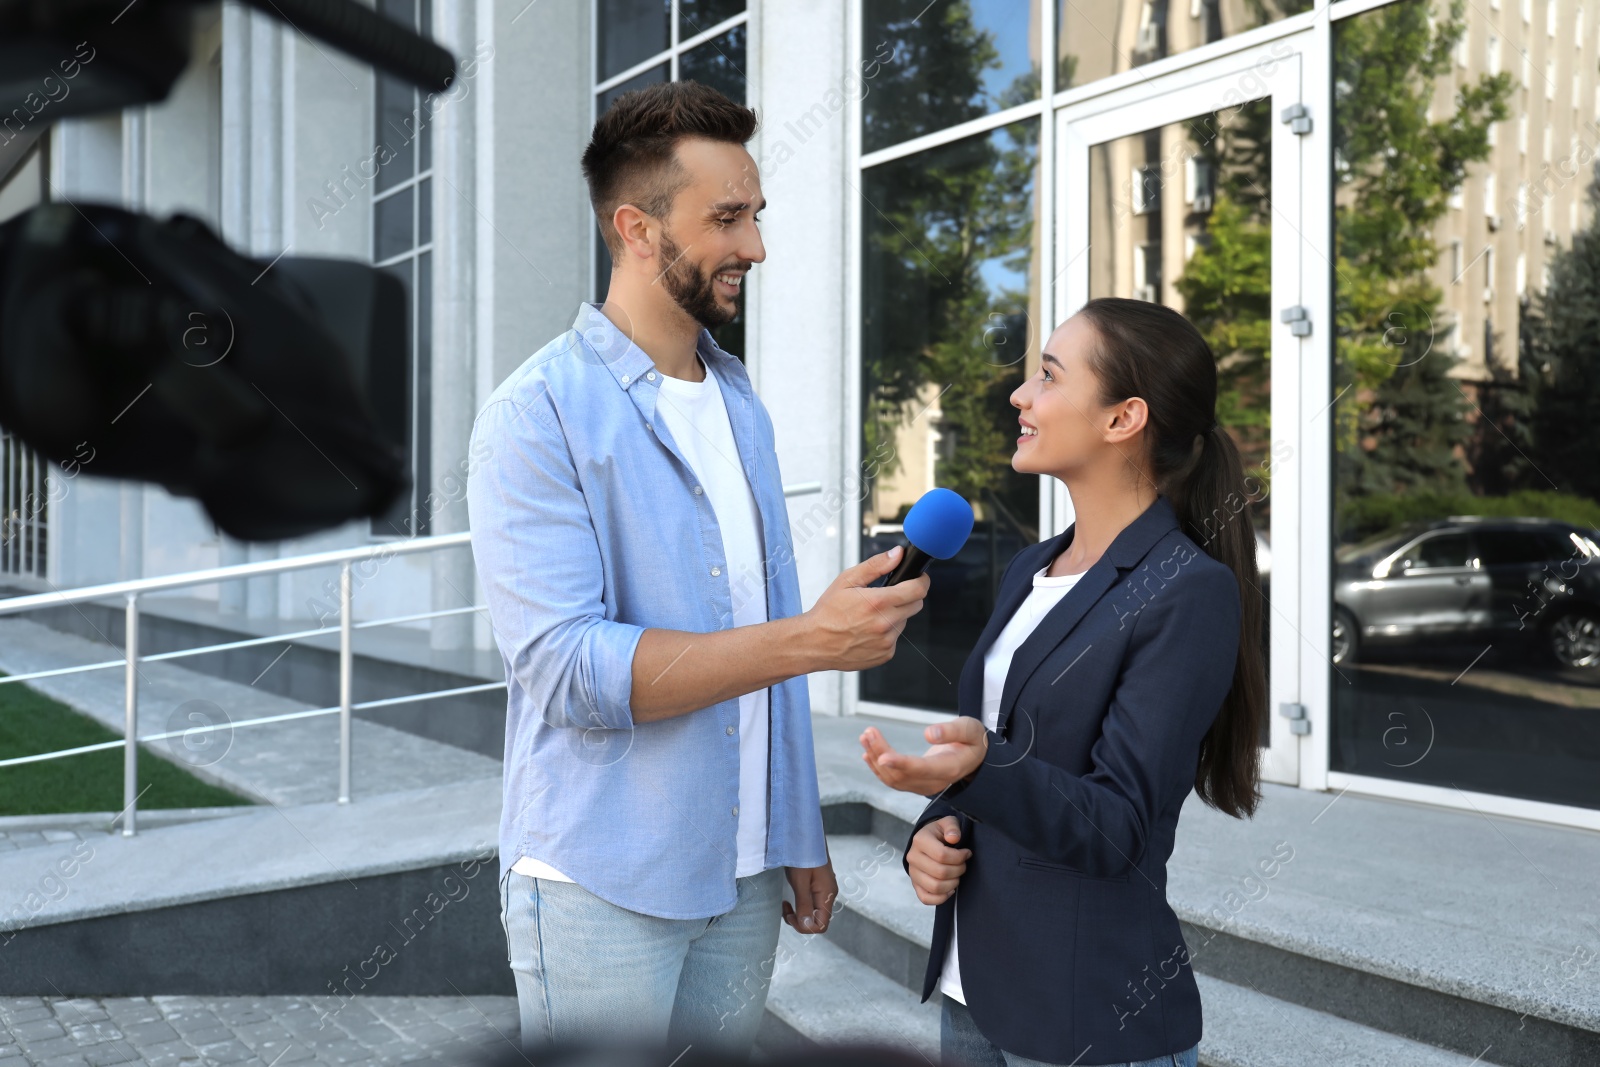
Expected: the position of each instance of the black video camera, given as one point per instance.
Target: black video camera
(174, 358)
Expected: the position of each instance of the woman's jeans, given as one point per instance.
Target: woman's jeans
(962, 1045)
(589, 971)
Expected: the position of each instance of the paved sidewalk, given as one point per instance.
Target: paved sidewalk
(13, 840)
(254, 1031)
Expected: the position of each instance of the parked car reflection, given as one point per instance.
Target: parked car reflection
(1535, 581)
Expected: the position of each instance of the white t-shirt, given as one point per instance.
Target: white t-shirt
(1047, 592)
(697, 419)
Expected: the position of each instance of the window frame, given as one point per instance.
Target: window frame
(420, 407)
(750, 19)
(1316, 580)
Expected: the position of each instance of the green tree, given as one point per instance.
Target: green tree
(935, 78)
(1562, 367)
(1227, 283)
(1502, 445)
(935, 224)
(1227, 294)
(1400, 418)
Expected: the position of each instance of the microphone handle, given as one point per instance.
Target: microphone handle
(911, 566)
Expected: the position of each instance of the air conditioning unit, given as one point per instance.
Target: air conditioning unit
(1146, 293)
(1494, 222)
(1149, 38)
(1146, 185)
(1488, 294)
(1202, 202)
(1549, 237)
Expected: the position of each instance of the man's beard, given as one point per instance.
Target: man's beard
(691, 290)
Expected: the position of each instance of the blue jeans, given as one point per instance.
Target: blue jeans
(961, 1044)
(588, 970)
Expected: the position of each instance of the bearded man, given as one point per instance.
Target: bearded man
(629, 527)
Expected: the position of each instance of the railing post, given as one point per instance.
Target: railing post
(344, 682)
(130, 728)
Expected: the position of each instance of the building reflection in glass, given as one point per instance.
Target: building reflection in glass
(949, 301)
(1466, 572)
(1181, 215)
(1098, 38)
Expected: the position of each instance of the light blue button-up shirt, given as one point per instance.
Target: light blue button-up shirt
(586, 530)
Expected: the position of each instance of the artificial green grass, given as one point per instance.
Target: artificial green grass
(31, 723)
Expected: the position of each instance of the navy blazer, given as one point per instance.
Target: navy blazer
(1070, 952)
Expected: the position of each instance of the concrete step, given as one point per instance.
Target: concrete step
(820, 994)
(391, 894)
(291, 762)
(883, 925)
(823, 993)
(1246, 1028)
(1456, 929)
(879, 919)
(1358, 911)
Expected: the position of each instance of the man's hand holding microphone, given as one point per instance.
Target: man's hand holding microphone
(854, 625)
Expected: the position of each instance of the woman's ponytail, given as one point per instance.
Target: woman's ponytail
(1212, 504)
(1151, 351)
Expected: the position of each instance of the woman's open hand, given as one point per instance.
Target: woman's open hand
(957, 749)
(936, 865)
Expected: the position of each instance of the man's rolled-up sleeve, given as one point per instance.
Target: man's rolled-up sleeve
(534, 545)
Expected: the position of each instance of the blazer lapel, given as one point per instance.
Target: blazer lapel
(1052, 630)
(1010, 597)
(1127, 549)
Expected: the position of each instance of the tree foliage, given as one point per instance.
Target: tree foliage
(1562, 366)
(1400, 420)
(947, 235)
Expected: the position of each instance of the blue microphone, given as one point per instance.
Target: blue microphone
(936, 526)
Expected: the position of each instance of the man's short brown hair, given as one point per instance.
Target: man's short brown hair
(632, 154)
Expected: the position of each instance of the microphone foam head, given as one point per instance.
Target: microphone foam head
(939, 523)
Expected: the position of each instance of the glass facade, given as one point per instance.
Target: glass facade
(945, 63)
(629, 32)
(642, 42)
(1182, 215)
(1098, 38)
(950, 312)
(402, 243)
(1451, 498)
(1466, 497)
(25, 476)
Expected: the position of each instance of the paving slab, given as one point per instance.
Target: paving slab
(486, 1030)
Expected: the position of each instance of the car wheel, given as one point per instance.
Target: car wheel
(1346, 636)
(1575, 638)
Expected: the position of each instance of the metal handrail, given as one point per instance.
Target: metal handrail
(136, 586)
(311, 713)
(132, 589)
(228, 646)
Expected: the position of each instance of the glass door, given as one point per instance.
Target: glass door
(1186, 190)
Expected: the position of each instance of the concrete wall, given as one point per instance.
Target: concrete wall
(797, 300)
(86, 521)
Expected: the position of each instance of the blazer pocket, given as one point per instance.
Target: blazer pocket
(1062, 868)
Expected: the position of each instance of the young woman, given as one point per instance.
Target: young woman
(1121, 667)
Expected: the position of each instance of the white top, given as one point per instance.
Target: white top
(1047, 592)
(697, 418)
